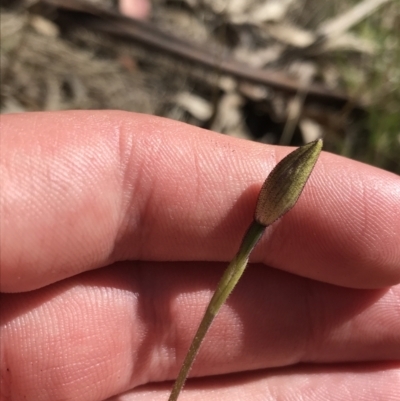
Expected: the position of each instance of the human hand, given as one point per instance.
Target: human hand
(115, 229)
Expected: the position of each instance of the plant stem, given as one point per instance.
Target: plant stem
(277, 196)
(227, 283)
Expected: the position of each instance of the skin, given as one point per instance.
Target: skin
(115, 230)
(139, 9)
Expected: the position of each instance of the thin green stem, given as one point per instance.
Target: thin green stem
(227, 283)
(278, 195)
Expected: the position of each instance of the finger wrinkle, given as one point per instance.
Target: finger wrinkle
(127, 184)
(152, 360)
(139, 188)
(314, 321)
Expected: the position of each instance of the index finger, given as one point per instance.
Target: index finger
(84, 189)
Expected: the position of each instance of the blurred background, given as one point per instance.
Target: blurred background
(275, 71)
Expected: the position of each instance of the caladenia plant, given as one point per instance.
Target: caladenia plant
(279, 193)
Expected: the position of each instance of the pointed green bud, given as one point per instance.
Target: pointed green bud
(283, 186)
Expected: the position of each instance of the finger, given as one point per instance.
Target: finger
(106, 331)
(84, 189)
(139, 9)
(367, 382)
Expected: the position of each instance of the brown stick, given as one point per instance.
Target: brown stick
(94, 17)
